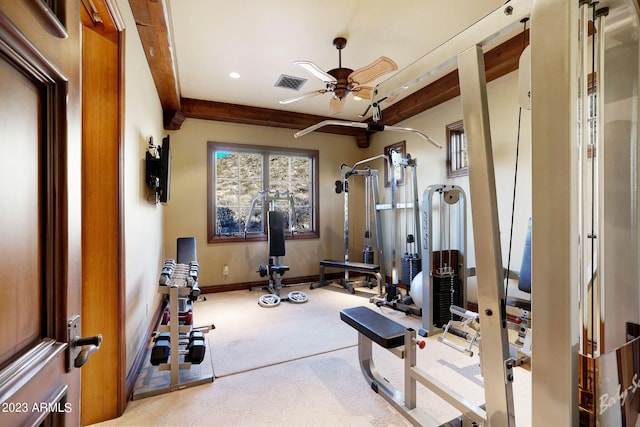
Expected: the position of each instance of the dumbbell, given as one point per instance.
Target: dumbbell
(162, 336)
(196, 335)
(167, 271)
(166, 315)
(186, 317)
(194, 269)
(160, 352)
(196, 347)
(195, 292)
(196, 352)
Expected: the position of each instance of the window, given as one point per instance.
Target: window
(457, 161)
(240, 176)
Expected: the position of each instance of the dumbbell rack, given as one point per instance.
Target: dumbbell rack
(178, 285)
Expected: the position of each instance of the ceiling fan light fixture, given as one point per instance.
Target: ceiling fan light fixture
(342, 80)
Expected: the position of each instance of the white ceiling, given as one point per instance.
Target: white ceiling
(261, 39)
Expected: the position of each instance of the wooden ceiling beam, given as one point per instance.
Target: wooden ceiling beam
(157, 41)
(234, 113)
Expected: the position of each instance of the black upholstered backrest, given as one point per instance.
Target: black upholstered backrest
(186, 250)
(276, 233)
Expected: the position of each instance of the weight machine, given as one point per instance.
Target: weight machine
(276, 222)
(406, 209)
(368, 266)
(442, 284)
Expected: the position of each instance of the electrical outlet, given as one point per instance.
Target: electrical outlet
(225, 270)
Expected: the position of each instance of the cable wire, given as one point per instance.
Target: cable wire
(515, 179)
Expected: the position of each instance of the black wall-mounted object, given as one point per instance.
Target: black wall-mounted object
(158, 169)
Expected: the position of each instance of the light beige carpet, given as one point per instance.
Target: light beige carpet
(297, 365)
(248, 336)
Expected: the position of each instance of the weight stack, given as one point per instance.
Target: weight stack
(410, 265)
(367, 255)
(442, 298)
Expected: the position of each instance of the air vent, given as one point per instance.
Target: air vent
(290, 82)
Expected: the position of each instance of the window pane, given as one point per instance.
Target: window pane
(249, 190)
(228, 220)
(226, 193)
(226, 165)
(300, 166)
(254, 225)
(278, 168)
(303, 218)
(251, 166)
(301, 193)
(238, 178)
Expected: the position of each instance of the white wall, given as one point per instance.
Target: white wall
(142, 221)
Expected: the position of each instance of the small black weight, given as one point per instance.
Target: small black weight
(160, 352)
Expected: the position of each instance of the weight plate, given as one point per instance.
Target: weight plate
(269, 300)
(297, 297)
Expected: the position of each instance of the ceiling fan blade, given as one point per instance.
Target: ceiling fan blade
(363, 92)
(335, 105)
(303, 96)
(380, 66)
(316, 71)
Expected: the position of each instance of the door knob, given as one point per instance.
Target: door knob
(80, 348)
(89, 346)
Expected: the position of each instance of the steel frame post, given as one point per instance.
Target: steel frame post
(484, 212)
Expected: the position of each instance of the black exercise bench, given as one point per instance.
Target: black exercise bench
(387, 333)
(378, 328)
(360, 267)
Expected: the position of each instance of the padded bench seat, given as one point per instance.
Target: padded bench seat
(378, 328)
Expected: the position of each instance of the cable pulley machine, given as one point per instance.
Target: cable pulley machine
(401, 209)
(368, 266)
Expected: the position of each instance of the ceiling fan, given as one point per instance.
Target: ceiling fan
(342, 81)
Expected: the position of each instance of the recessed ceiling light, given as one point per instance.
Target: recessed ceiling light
(234, 75)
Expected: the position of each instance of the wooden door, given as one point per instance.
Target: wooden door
(40, 212)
